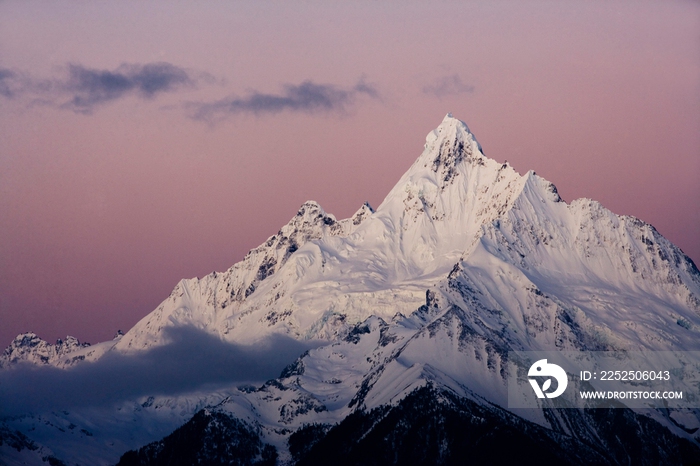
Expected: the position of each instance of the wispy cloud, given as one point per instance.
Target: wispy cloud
(91, 87)
(307, 97)
(193, 359)
(8, 82)
(448, 86)
(83, 89)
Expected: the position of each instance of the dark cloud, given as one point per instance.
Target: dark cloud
(83, 90)
(9, 83)
(87, 88)
(93, 87)
(307, 97)
(447, 86)
(191, 360)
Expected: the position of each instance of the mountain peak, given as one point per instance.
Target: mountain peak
(447, 147)
(450, 128)
(310, 216)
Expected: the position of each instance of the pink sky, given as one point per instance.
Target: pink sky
(106, 205)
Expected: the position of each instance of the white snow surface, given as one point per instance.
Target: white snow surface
(464, 260)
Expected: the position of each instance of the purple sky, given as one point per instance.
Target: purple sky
(145, 142)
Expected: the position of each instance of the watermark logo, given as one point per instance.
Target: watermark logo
(604, 379)
(542, 368)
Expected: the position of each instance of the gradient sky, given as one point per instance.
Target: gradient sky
(145, 142)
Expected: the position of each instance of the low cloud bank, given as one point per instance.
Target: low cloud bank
(193, 359)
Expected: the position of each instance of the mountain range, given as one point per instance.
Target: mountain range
(391, 332)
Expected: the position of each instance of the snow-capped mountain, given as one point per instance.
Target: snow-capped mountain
(454, 207)
(416, 304)
(29, 348)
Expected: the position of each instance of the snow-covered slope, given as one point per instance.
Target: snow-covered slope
(443, 346)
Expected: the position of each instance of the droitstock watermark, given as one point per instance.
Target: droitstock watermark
(604, 379)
